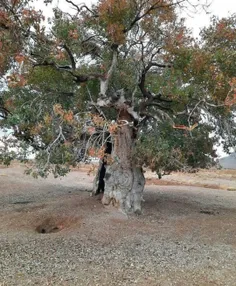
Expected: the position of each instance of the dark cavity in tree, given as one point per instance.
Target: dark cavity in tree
(101, 182)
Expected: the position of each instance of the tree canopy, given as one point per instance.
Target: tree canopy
(74, 82)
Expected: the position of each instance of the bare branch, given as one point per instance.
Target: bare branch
(214, 105)
(79, 9)
(74, 5)
(133, 113)
(50, 146)
(95, 105)
(105, 81)
(73, 64)
(144, 91)
(154, 6)
(89, 10)
(153, 64)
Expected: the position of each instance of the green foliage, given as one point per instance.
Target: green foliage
(169, 79)
(166, 149)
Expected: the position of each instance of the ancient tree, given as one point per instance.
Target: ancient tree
(121, 75)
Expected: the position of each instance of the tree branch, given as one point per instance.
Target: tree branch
(161, 99)
(153, 64)
(154, 6)
(74, 5)
(105, 81)
(144, 91)
(159, 106)
(80, 8)
(4, 112)
(73, 64)
(78, 77)
(3, 116)
(147, 116)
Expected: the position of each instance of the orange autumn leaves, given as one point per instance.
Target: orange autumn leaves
(93, 152)
(73, 34)
(231, 97)
(100, 153)
(40, 126)
(15, 19)
(66, 115)
(119, 16)
(99, 124)
(32, 17)
(113, 12)
(16, 80)
(184, 127)
(225, 31)
(9, 43)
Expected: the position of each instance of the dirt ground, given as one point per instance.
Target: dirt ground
(52, 232)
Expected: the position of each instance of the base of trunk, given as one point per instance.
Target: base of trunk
(124, 188)
(123, 182)
(98, 183)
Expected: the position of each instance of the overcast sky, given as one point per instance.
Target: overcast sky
(195, 21)
(220, 8)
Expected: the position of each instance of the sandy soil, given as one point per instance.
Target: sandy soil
(52, 232)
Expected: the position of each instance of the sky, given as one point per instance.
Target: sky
(220, 8)
(194, 20)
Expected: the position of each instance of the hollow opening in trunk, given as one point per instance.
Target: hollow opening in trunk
(102, 173)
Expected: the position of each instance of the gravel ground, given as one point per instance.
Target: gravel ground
(53, 233)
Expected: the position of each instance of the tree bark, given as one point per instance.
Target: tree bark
(98, 183)
(124, 182)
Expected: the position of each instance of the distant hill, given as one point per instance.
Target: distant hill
(228, 162)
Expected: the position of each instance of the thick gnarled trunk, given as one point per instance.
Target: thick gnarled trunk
(124, 182)
(124, 188)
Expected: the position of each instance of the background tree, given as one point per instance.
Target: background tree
(219, 40)
(126, 73)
